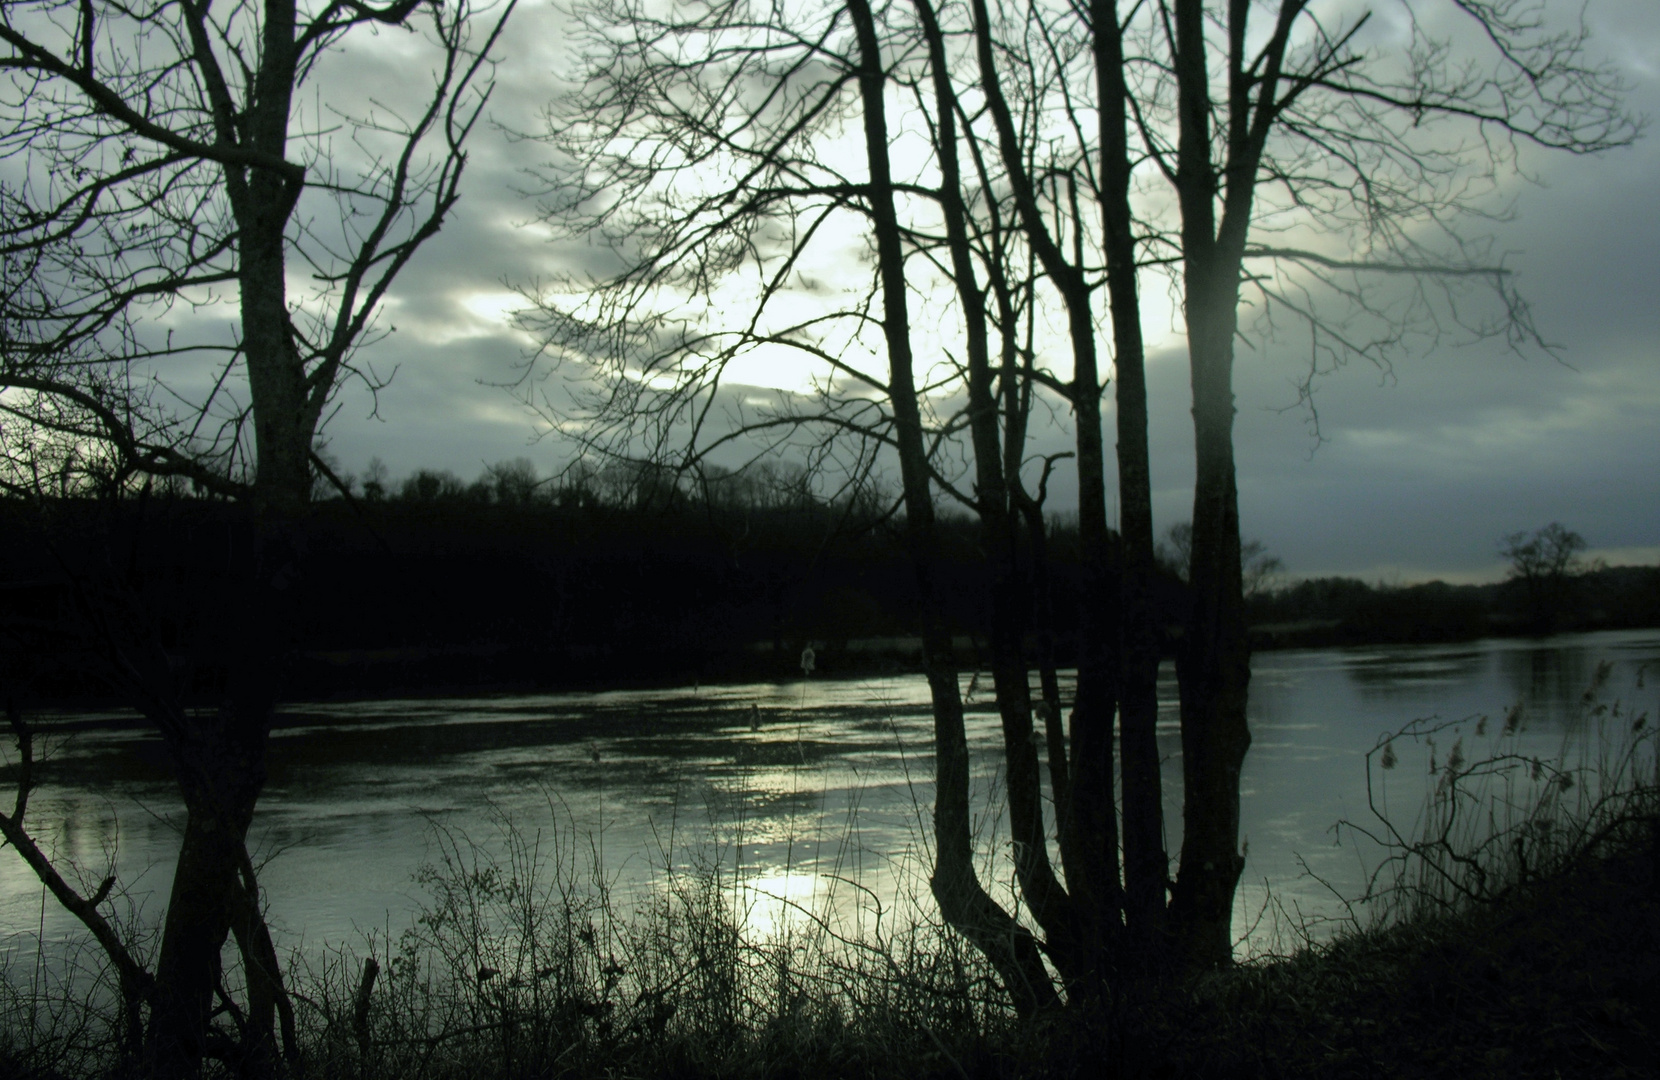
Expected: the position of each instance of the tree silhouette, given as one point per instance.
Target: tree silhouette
(1361, 165)
(718, 150)
(1545, 563)
(167, 184)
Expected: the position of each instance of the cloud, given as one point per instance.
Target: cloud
(1421, 472)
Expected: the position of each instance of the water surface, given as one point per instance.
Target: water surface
(793, 789)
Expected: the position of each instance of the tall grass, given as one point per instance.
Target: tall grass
(1509, 925)
(60, 1014)
(1498, 814)
(61, 1011)
(526, 961)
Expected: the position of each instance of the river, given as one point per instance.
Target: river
(794, 789)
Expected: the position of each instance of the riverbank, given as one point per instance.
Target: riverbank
(493, 668)
(1557, 980)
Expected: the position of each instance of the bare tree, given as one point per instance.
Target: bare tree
(1545, 564)
(1260, 569)
(513, 483)
(956, 885)
(1364, 163)
(162, 184)
(715, 151)
(725, 118)
(1059, 56)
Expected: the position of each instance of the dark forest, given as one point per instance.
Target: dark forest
(443, 586)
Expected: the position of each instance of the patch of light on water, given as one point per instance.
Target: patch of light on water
(779, 901)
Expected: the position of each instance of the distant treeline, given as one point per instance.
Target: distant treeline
(406, 592)
(1336, 610)
(619, 485)
(630, 577)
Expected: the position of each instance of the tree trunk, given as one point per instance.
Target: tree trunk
(1146, 865)
(220, 764)
(1093, 813)
(221, 761)
(285, 412)
(1060, 782)
(206, 890)
(965, 905)
(1213, 660)
(1214, 665)
(1048, 900)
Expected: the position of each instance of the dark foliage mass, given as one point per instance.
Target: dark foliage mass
(428, 591)
(504, 583)
(1334, 610)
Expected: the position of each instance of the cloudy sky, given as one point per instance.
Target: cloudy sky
(1419, 475)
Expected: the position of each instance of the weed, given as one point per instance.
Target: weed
(1493, 823)
(527, 962)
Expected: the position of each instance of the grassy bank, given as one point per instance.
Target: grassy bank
(1512, 930)
(1557, 980)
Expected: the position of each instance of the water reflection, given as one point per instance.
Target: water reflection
(1545, 673)
(807, 797)
(1388, 674)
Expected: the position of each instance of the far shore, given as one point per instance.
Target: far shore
(461, 670)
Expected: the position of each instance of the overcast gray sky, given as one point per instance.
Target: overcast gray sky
(1419, 476)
